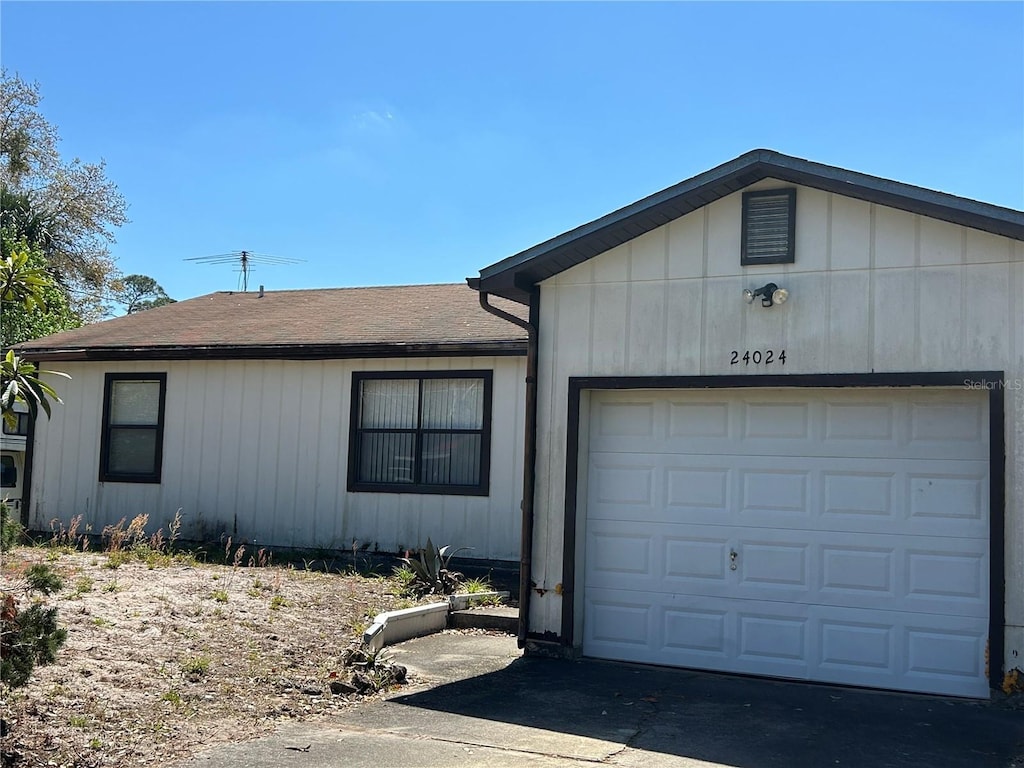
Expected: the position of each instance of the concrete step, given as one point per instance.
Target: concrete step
(501, 618)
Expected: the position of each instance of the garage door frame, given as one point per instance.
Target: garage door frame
(579, 385)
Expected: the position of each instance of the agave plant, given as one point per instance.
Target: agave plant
(432, 569)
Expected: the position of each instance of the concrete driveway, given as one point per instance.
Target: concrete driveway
(475, 701)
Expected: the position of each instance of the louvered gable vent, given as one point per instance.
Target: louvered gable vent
(769, 227)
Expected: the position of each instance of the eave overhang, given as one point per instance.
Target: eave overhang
(512, 277)
(279, 351)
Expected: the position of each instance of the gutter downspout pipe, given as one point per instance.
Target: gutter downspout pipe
(529, 449)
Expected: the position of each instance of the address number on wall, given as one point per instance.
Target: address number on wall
(758, 357)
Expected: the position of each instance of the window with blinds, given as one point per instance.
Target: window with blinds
(421, 432)
(769, 227)
(133, 426)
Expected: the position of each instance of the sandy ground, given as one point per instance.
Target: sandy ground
(163, 660)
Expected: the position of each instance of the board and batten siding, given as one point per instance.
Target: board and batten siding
(258, 449)
(873, 290)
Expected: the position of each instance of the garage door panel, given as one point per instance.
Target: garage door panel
(893, 423)
(944, 499)
(903, 573)
(619, 624)
(852, 570)
(886, 649)
(901, 496)
(948, 424)
(955, 579)
(620, 484)
(860, 420)
(774, 422)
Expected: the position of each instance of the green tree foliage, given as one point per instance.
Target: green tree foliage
(29, 636)
(21, 323)
(139, 292)
(66, 209)
(23, 286)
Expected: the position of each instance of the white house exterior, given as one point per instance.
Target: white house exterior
(829, 488)
(251, 408)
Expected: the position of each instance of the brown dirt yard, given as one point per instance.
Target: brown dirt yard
(166, 656)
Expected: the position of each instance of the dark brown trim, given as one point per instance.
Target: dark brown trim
(529, 472)
(997, 532)
(515, 347)
(105, 475)
(531, 327)
(991, 380)
(417, 487)
(26, 480)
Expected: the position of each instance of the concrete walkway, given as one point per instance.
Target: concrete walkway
(475, 701)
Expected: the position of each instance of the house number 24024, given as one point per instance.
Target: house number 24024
(757, 357)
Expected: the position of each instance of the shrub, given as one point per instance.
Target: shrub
(432, 569)
(10, 529)
(31, 636)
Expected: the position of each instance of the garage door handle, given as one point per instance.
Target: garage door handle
(733, 554)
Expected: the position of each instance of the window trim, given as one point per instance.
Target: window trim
(789, 256)
(481, 489)
(122, 477)
(19, 431)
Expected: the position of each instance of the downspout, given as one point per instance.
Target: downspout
(529, 451)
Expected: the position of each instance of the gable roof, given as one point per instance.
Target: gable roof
(386, 321)
(513, 276)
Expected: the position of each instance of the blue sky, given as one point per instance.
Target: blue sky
(393, 143)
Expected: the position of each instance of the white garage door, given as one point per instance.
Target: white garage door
(831, 535)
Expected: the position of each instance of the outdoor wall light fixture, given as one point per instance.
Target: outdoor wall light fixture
(770, 294)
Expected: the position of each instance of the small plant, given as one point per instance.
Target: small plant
(196, 666)
(476, 586)
(82, 585)
(31, 636)
(406, 578)
(117, 538)
(10, 529)
(277, 602)
(171, 696)
(219, 595)
(99, 621)
(480, 587)
(95, 743)
(111, 586)
(68, 539)
(78, 721)
(116, 559)
(432, 569)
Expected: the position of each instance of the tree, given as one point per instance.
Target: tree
(24, 285)
(67, 209)
(21, 323)
(139, 292)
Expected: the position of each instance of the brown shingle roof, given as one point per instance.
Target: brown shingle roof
(333, 322)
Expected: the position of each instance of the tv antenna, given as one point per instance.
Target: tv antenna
(244, 260)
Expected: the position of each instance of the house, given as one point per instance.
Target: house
(315, 419)
(13, 439)
(778, 429)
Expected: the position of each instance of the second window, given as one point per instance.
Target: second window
(421, 432)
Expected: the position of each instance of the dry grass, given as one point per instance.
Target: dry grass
(168, 657)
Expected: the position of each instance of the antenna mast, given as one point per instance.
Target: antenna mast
(245, 260)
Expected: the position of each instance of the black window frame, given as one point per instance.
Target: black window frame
(21, 430)
(8, 459)
(417, 487)
(132, 477)
(787, 257)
